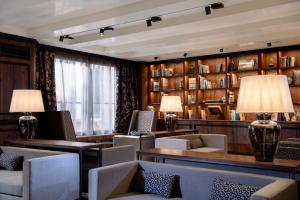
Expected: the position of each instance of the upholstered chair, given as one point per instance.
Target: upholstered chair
(141, 121)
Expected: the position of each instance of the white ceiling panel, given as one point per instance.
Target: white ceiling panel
(240, 25)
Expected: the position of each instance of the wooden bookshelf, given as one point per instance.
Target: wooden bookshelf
(217, 72)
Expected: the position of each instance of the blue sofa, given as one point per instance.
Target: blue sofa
(114, 182)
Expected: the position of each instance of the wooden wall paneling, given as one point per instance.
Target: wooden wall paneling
(17, 71)
(6, 86)
(145, 86)
(8, 127)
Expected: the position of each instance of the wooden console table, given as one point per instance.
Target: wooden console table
(281, 165)
(60, 145)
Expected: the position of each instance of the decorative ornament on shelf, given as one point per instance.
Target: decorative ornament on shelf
(27, 102)
(170, 105)
(264, 95)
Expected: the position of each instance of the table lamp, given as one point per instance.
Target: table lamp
(170, 105)
(27, 102)
(264, 95)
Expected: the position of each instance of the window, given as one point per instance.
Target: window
(88, 92)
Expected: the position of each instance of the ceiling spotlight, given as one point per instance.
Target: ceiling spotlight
(207, 10)
(213, 6)
(269, 44)
(149, 23)
(155, 58)
(153, 19)
(62, 37)
(221, 50)
(108, 28)
(185, 54)
(217, 5)
(101, 31)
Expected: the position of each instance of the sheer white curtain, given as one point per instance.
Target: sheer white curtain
(88, 92)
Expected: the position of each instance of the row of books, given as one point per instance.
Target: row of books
(205, 69)
(221, 82)
(165, 85)
(287, 61)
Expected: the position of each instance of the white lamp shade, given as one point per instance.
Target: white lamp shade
(170, 104)
(264, 94)
(26, 101)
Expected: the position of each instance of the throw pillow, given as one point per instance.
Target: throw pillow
(158, 183)
(155, 183)
(10, 162)
(222, 190)
(196, 143)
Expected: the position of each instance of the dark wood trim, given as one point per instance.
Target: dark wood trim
(229, 54)
(81, 53)
(18, 38)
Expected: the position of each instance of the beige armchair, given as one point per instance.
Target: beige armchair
(210, 142)
(141, 121)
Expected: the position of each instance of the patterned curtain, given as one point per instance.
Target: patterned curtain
(45, 77)
(127, 94)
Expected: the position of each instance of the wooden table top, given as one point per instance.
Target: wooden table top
(55, 144)
(222, 158)
(171, 133)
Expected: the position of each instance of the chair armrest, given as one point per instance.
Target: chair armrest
(278, 190)
(51, 177)
(105, 182)
(172, 143)
(215, 141)
(114, 155)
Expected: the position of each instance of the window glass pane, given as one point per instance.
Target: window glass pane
(88, 92)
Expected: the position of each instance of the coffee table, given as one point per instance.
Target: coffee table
(223, 159)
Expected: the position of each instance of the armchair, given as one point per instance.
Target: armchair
(141, 121)
(211, 142)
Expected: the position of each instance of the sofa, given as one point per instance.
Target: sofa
(46, 175)
(114, 182)
(207, 143)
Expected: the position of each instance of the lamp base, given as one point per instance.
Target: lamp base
(264, 136)
(27, 126)
(170, 121)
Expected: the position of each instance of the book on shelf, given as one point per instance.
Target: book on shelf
(192, 84)
(165, 84)
(234, 115)
(204, 83)
(233, 80)
(204, 69)
(222, 82)
(155, 73)
(220, 68)
(191, 99)
(287, 61)
(296, 76)
(155, 86)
